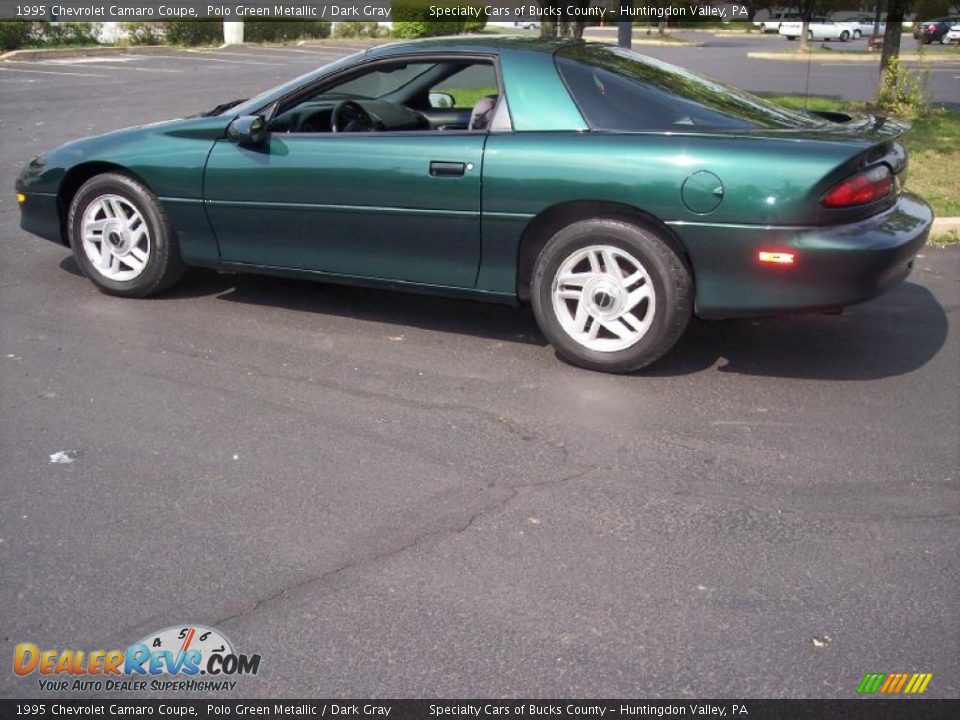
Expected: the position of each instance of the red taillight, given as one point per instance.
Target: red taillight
(860, 189)
(931, 28)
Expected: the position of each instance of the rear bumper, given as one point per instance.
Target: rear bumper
(834, 266)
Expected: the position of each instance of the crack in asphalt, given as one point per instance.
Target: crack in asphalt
(514, 492)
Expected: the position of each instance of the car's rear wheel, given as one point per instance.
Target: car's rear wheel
(610, 295)
(121, 237)
(844, 36)
(857, 34)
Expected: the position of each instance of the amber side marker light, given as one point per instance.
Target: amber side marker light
(775, 258)
(21, 198)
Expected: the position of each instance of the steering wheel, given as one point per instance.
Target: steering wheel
(349, 116)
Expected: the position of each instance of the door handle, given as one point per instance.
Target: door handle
(439, 168)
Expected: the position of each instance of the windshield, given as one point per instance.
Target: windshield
(617, 89)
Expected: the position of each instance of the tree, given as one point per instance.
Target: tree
(891, 35)
(806, 12)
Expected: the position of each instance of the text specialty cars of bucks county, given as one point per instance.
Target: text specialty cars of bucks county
(616, 194)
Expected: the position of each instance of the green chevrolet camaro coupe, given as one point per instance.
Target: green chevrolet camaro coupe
(616, 194)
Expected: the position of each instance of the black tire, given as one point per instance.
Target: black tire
(844, 36)
(669, 276)
(163, 264)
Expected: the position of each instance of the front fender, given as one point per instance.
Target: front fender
(169, 158)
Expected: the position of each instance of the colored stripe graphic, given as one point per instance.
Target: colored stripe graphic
(870, 683)
(922, 684)
(894, 683)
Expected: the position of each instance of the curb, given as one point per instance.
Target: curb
(945, 225)
(57, 53)
(793, 56)
(667, 43)
(662, 43)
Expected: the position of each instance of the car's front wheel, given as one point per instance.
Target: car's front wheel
(857, 34)
(844, 36)
(121, 237)
(610, 295)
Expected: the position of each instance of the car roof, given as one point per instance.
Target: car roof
(492, 44)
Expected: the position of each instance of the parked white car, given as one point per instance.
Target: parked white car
(862, 26)
(772, 24)
(820, 28)
(953, 34)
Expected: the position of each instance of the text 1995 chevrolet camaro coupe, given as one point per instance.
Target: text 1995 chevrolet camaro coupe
(615, 193)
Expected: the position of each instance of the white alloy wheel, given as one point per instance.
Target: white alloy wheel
(603, 298)
(116, 238)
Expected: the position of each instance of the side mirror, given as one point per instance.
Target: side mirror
(248, 130)
(440, 100)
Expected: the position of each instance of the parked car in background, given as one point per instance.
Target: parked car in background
(862, 26)
(772, 23)
(820, 28)
(931, 31)
(953, 35)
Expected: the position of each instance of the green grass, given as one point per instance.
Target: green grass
(933, 143)
(466, 97)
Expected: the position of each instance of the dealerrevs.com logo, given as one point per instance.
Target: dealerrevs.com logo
(179, 658)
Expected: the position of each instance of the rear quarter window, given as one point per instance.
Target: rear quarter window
(617, 90)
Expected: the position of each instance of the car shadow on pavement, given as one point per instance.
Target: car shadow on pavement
(891, 335)
(442, 314)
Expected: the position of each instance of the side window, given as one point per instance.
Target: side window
(381, 81)
(465, 87)
(435, 94)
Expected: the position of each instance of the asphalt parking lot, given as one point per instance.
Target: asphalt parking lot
(400, 496)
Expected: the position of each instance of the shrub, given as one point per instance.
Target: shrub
(141, 33)
(280, 30)
(902, 92)
(473, 26)
(194, 32)
(16, 34)
(358, 29)
(73, 33)
(411, 19)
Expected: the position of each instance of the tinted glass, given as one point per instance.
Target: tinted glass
(617, 89)
(381, 81)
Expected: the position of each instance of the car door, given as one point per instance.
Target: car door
(398, 206)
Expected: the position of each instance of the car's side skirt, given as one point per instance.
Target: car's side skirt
(399, 285)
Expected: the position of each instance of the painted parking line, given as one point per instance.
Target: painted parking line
(50, 72)
(89, 60)
(227, 53)
(205, 56)
(67, 63)
(316, 51)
